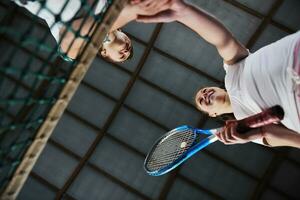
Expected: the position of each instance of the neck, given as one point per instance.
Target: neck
(227, 108)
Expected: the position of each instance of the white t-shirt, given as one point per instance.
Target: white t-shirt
(54, 7)
(263, 79)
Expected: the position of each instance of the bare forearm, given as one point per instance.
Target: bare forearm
(213, 31)
(206, 25)
(127, 15)
(280, 136)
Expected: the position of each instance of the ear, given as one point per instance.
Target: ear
(103, 53)
(212, 114)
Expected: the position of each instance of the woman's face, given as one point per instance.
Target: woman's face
(212, 100)
(118, 49)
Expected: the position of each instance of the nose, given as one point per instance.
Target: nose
(124, 50)
(125, 55)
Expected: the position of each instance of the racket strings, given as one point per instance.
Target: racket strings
(166, 154)
(163, 147)
(170, 148)
(167, 157)
(165, 151)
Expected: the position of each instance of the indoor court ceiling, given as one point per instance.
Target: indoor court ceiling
(98, 148)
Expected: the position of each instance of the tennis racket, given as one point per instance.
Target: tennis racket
(179, 144)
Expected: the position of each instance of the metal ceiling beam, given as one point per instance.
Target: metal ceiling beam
(267, 176)
(148, 83)
(125, 145)
(112, 115)
(157, 124)
(75, 156)
(264, 23)
(143, 155)
(172, 178)
(248, 10)
(259, 15)
(152, 121)
(178, 61)
(48, 184)
(100, 171)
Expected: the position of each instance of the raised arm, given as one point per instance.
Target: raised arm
(206, 25)
(128, 14)
(133, 10)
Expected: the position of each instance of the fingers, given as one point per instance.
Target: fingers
(154, 11)
(163, 7)
(133, 2)
(221, 136)
(150, 4)
(228, 135)
(146, 3)
(225, 135)
(152, 7)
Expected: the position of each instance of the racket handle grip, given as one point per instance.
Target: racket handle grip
(271, 115)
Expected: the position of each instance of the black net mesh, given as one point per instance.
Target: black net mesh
(34, 68)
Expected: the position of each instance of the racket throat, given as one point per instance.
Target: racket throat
(200, 145)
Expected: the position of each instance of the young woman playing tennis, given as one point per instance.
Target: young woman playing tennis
(254, 81)
(116, 46)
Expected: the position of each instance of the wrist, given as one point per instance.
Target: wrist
(181, 8)
(129, 12)
(262, 131)
(263, 134)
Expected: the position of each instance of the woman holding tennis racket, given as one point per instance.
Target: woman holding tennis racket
(254, 81)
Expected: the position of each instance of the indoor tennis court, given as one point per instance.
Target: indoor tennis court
(98, 147)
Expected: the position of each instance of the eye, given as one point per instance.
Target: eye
(204, 90)
(200, 101)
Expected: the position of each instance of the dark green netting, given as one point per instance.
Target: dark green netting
(33, 71)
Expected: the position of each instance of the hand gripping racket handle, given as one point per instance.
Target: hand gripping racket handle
(271, 115)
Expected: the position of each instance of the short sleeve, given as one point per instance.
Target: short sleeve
(258, 141)
(227, 66)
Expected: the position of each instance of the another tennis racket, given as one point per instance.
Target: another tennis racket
(181, 143)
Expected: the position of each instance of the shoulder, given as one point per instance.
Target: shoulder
(233, 70)
(237, 61)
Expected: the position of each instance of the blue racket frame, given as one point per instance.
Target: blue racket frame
(194, 149)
